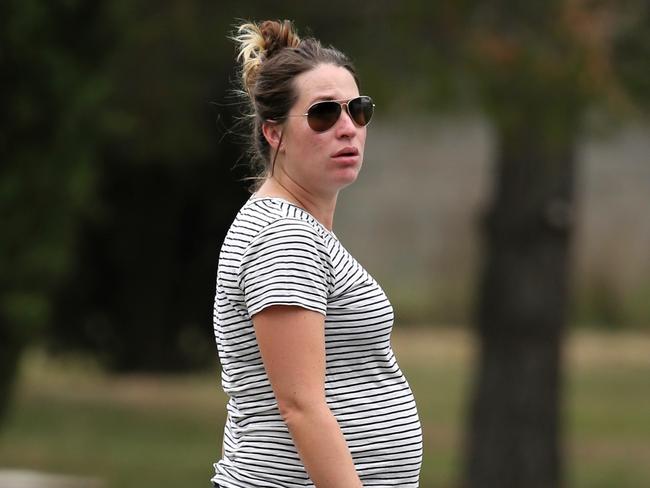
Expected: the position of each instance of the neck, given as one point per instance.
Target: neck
(321, 207)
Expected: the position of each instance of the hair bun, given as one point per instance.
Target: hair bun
(258, 42)
(278, 35)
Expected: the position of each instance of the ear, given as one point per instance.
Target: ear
(272, 133)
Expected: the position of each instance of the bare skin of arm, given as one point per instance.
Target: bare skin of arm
(292, 343)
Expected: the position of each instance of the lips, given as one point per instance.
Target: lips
(349, 151)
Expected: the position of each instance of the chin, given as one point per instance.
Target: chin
(346, 178)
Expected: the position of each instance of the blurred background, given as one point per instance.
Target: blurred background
(503, 205)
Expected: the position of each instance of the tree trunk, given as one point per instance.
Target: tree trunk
(514, 425)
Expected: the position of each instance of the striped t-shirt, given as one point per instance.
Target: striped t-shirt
(275, 253)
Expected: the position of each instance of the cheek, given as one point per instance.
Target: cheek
(321, 147)
(362, 139)
(304, 140)
(313, 147)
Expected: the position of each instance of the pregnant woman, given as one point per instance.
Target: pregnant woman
(316, 398)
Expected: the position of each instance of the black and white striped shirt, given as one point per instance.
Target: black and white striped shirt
(275, 253)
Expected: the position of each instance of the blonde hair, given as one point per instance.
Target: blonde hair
(258, 42)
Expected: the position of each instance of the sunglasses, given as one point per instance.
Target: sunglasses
(322, 116)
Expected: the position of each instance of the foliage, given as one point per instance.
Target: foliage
(53, 97)
(165, 195)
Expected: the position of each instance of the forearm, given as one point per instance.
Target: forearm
(292, 344)
(322, 447)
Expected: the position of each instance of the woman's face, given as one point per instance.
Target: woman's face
(313, 159)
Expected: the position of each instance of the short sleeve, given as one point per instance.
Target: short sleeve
(285, 264)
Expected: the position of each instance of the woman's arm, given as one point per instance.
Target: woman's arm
(292, 344)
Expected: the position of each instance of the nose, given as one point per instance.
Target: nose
(345, 126)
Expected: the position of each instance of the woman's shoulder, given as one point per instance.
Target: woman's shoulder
(274, 215)
(270, 228)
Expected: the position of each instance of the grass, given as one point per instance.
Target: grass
(135, 431)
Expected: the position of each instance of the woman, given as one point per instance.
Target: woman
(302, 330)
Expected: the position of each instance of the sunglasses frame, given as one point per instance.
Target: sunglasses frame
(342, 104)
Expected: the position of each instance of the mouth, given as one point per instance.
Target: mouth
(347, 152)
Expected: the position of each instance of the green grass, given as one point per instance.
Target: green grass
(141, 431)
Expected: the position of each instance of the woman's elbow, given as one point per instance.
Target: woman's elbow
(293, 409)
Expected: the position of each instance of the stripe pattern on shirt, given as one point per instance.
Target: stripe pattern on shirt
(277, 254)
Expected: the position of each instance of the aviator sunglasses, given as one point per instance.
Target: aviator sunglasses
(322, 116)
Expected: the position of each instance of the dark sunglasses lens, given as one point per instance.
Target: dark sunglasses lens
(361, 110)
(323, 115)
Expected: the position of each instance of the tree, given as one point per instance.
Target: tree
(543, 67)
(53, 94)
(140, 294)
